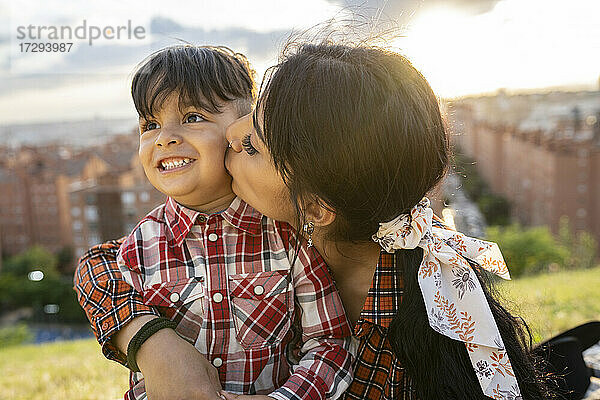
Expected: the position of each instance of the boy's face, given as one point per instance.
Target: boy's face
(182, 152)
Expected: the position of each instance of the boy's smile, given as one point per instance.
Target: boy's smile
(182, 151)
(173, 164)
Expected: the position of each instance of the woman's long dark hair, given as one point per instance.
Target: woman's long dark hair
(360, 128)
(448, 373)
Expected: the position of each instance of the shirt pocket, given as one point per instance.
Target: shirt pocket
(262, 305)
(177, 298)
(182, 301)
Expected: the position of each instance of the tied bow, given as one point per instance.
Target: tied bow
(454, 299)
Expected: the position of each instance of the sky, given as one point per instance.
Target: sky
(462, 47)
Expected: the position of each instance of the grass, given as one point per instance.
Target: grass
(550, 303)
(553, 302)
(62, 370)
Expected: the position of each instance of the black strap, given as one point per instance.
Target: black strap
(147, 330)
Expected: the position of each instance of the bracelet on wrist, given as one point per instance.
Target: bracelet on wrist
(147, 330)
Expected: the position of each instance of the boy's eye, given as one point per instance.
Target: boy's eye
(247, 145)
(148, 126)
(191, 118)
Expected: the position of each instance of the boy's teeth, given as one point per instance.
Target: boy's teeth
(175, 163)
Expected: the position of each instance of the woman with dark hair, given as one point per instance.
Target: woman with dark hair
(344, 144)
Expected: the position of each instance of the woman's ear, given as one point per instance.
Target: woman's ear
(319, 212)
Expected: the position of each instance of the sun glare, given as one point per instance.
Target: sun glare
(453, 51)
(517, 45)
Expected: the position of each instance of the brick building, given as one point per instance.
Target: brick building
(59, 197)
(109, 205)
(30, 200)
(544, 173)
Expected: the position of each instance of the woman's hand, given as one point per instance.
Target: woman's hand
(174, 369)
(231, 396)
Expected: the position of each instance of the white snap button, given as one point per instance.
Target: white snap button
(258, 290)
(217, 297)
(217, 362)
(213, 237)
(174, 297)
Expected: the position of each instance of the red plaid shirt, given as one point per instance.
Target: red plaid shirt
(378, 374)
(227, 280)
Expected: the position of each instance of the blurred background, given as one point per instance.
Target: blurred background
(518, 81)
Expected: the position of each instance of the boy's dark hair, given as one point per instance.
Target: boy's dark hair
(204, 76)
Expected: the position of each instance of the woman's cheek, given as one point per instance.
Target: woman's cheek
(278, 199)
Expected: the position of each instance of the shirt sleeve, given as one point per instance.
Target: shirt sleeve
(325, 367)
(107, 300)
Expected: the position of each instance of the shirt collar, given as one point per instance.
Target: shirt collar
(244, 217)
(241, 215)
(180, 219)
(384, 296)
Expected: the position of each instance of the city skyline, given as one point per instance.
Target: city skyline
(545, 162)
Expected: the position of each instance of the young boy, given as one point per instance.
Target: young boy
(209, 262)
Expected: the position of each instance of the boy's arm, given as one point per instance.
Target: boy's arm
(171, 366)
(324, 371)
(107, 300)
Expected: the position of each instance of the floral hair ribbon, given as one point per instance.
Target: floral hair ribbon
(454, 299)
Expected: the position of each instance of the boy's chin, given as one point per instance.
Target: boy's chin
(218, 202)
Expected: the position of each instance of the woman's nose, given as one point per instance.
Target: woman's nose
(236, 145)
(236, 131)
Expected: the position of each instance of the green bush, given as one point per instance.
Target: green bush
(15, 335)
(35, 258)
(528, 250)
(583, 245)
(495, 209)
(531, 250)
(17, 291)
